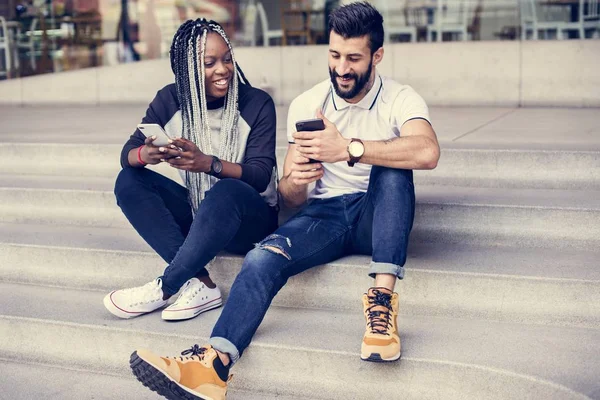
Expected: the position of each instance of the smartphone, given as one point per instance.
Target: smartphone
(310, 125)
(162, 139)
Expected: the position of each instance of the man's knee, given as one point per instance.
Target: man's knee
(277, 245)
(269, 257)
(392, 179)
(258, 263)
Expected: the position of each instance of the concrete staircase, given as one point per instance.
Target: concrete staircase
(501, 298)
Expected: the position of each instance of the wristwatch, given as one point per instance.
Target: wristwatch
(356, 149)
(216, 167)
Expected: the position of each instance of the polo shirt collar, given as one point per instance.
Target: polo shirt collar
(366, 102)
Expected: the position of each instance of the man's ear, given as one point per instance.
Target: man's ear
(378, 56)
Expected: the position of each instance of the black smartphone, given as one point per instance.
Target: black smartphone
(310, 125)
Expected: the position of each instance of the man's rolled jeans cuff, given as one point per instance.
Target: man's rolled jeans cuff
(225, 346)
(386, 268)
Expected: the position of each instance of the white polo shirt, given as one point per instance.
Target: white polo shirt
(378, 116)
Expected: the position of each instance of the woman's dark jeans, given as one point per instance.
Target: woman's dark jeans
(232, 217)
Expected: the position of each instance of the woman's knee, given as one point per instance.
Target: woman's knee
(229, 192)
(232, 187)
(125, 180)
(128, 182)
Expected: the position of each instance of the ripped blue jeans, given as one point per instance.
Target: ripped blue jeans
(376, 223)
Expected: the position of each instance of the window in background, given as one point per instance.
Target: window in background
(42, 36)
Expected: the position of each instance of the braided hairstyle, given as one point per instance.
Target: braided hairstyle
(187, 62)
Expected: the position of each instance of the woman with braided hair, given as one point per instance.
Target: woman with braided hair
(223, 145)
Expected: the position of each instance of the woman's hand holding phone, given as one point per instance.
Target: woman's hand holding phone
(190, 158)
(151, 154)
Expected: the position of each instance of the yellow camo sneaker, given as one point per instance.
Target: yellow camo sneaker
(198, 374)
(381, 341)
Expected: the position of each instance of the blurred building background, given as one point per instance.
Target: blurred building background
(503, 296)
(48, 36)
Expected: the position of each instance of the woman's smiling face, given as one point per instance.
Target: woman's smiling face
(218, 66)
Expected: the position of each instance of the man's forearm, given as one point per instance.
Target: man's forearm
(411, 152)
(293, 195)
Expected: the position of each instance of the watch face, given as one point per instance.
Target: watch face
(217, 166)
(356, 149)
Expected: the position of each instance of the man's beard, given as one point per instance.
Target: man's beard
(360, 81)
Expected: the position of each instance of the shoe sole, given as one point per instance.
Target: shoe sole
(117, 312)
(157, 381)
(376, 357)
(180, 315)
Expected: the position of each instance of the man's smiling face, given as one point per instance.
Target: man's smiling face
(350, 66)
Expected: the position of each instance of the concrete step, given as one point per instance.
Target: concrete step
(500, 127)
(314, 353)
(535, 218)
(81, 237)
(28, 162)
(66, 206)
(531, 262)
(521, 217)
(544, 169)
(97, 183)
(37, 381)
(73, 124)
(61, 159)
(100, 124)
(54, 382)
(551, 286)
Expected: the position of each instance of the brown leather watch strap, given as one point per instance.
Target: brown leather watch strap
(355, 159)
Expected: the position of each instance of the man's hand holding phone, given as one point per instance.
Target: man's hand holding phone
(303, 171)
(326, 145)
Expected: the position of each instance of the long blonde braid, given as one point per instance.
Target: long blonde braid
(187, 62)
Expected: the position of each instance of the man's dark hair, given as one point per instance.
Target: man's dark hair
(356, 20)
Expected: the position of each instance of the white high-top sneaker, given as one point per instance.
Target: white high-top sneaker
(133, 302)
(195, 298)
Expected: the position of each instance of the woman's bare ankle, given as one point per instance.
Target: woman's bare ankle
(207, 281)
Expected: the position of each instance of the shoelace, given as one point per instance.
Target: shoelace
(147, 287)
(379, 320)
(196, 351)
(188, 293)
(143, 292)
